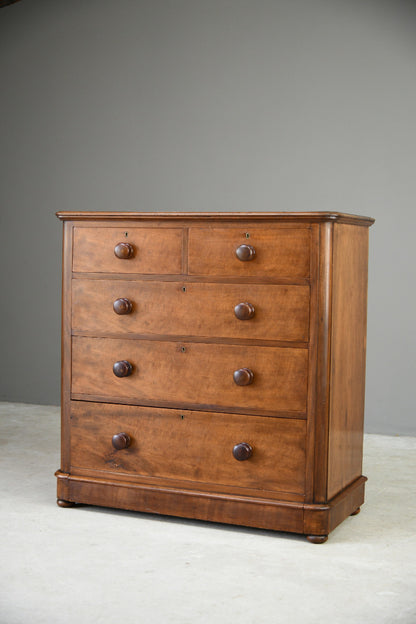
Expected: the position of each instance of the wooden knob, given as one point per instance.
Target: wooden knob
(244, 311)
(242, 451)
(122, 368)
(122, 306)
(124, 251)
(243, 377)
(245, 253)
(121, 441)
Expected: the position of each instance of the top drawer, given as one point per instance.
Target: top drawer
(255, 252)
(147, 250)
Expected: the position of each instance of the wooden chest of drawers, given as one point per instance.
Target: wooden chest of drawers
(213, 366)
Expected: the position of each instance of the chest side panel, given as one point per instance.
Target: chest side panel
(348, 351)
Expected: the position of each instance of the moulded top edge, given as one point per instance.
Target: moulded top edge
(305, 217)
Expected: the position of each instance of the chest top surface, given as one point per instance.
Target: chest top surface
(298, 217)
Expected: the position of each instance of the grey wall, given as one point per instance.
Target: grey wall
(207, 105)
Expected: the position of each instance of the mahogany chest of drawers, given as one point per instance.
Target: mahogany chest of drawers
(213, 366)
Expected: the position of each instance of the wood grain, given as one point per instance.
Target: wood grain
(319, 418)
(348, 351)
(229, 509)
(162, 218)
(279, 251)
(165, 439)
(191, 373)
(186, 445)
(66, 345)
(155, 250)
(178, 308)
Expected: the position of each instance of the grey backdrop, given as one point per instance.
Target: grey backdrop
(207, 105)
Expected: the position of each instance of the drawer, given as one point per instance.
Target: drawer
(281, 312)
(191, 373)
(282, 252)
(153, 250)
(190, 446)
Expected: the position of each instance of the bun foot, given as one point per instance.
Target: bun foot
(357, 511)
(64, 503)
(317, 539)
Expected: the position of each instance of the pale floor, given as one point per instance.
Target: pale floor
(88, 565)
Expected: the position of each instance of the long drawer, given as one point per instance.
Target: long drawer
(282, 252)
(191, 373)
(193, 446)
(140, 250)
(276, 312)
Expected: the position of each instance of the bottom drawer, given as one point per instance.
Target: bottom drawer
(189, 446)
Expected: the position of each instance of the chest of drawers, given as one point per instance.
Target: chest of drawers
(213, 366)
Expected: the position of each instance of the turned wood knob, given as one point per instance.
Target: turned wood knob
(122, 368)
(242, 451)
(124, 251)
(245, 253)
(121, 441)
(243, 377)
(244, 311)
(122, 306)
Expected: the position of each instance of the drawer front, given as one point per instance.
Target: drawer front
(282, 252)
(191, 373)
(177, 308)
(154, 250)
(191, 446)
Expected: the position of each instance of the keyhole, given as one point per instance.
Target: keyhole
(126, 234)
(183, 349)
(247, 235)
(183, 288)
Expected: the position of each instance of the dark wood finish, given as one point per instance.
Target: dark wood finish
(279, 251)
(242, 451)
(348, 351)
(313, 354)
(179, 417)
(64, 503)
(243, 377)
(121, 441)
(281, 311)
(321, 519)
(122, 306)
(177, 500)
(212, 506)
(245, 253)
(124, 251)
(157, 250)
(244, 311)
(123, 368)
(191, 373)
(317, 539)
(101, 219)
(190, 446)
(324, 320)
(66, 352)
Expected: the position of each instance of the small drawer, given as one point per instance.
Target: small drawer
(189, 446)
(268, 379)
(280, 252)
(244, 311)
(132, 250)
